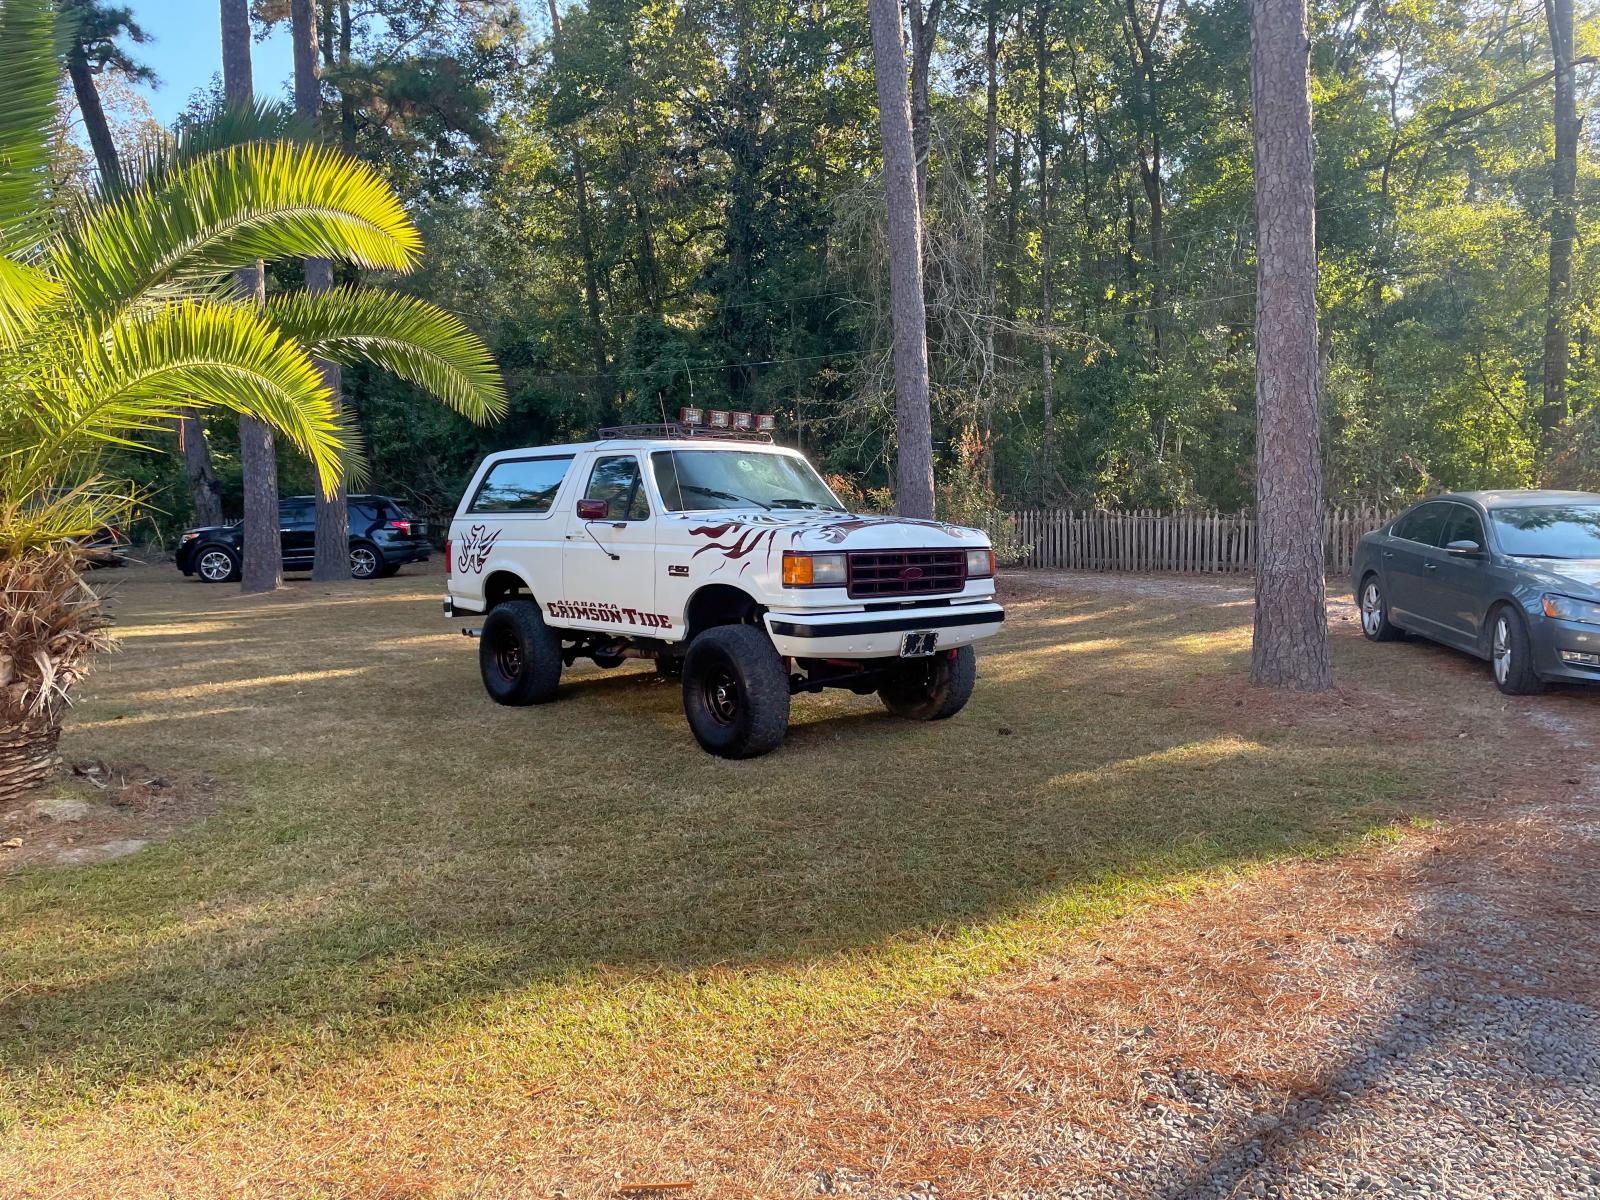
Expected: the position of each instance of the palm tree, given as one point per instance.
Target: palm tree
(117, 312)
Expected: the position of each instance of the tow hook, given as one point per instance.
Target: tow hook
(469, 631)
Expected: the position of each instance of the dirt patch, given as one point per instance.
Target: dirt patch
(95, 812)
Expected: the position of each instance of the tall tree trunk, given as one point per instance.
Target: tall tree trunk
(1563, 219)
(991, 107)
(331, 557)
(1147, 121)
(263, 552)
(94, 116)
(347, 107)
(1290, 647)
(924, 34)
(580, 180)
(1047, 300)
(913, 420)
(204, 490)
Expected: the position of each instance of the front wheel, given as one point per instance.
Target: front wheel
(1510, 653)
(519, 655)
(931, 689)
(1375, 624)
(217, 564)
(735, 692)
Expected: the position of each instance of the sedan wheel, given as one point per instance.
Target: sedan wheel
(1375, 623)
(1502, 650)
(1511, 655)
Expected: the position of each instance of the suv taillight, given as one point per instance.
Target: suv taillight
(401, 527)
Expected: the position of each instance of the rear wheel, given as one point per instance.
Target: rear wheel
(735, 692)
(366, 561)
(217, 564)
(931, 689)
(1510, 654)
(519, 655)
(1375, 612)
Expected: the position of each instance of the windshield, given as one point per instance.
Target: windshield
(1553, 531)
(696, 479)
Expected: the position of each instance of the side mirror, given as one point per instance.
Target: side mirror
(1466, 549)
(593, 510)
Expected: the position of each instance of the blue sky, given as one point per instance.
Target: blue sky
(187, 51)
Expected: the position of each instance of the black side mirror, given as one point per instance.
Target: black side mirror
(1465, 549)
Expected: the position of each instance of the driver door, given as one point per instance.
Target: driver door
(608, 566)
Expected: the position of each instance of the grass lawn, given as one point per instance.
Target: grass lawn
(426, 938)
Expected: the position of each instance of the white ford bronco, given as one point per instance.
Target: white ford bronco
(729, 562)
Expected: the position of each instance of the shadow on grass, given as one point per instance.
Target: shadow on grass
(407, 854)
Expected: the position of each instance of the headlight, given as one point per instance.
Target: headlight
(812, 570)
(980, 563)
(1565, 608)
(188, 537)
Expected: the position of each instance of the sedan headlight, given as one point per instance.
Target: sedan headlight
(980, 563)
(812, 570)
(1565, 608)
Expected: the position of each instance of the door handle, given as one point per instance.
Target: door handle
(1432, 566)
(1388, 553)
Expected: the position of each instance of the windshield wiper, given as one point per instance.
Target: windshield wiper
(1557, 557)
(716, 495)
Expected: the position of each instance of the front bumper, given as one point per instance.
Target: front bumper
(879, 634)
(1551, 637)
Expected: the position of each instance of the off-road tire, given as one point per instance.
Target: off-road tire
(1372, 605)
(931, 689)
(1511, 653)
(519, 655)
(735, 692)
(231, 555)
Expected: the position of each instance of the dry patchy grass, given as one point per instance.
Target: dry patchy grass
(432, 947)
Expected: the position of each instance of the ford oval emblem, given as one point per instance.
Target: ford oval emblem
(910, 574)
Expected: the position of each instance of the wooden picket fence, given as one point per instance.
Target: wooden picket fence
(1187, 541)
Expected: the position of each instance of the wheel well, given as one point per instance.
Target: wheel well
(502, 586)
(720, 604)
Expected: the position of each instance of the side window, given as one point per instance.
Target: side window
(1464, 526)
(666, 469)
(1425, 525)
(616, 481)
(297, 514)
(520, 485)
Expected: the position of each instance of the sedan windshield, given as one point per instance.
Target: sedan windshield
(1553, 531)
(698, 479)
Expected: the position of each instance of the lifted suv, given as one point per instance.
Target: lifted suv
(727, 561)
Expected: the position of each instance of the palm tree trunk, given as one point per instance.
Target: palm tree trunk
(331, 559)
(262, 570)
(1290, 647)
(28, 755)
(913, 419)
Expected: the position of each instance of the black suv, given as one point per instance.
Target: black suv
(383, 537)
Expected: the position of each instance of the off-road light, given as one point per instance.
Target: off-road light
(1565, 608)
(812, 570)
(980, 563)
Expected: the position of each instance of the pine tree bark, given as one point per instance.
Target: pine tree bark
(1290, 647)
(262, 570)
(331, 556)
(204, 490)
(1563, 219)
(924, 35)
(913, 419)
(94, 116)
(1047, 300)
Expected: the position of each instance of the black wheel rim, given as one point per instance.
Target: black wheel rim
(723, 697)
(507, 656)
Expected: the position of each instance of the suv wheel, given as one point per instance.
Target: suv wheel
(217, 564)
(931, 689)
(366, 561)
(519, 655)
(1511, 655)
(735, 692)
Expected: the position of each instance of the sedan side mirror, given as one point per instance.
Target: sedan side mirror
(1466, 549)
(593, 510)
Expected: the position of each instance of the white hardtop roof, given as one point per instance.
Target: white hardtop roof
(648, 443)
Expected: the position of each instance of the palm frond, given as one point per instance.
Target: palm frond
(226, 209)
(23, 291)
(415, 340)
(232, 123)
(29, 68)
(135, 382)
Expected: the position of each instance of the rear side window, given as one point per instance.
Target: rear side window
(520, 485)
(1425, 524)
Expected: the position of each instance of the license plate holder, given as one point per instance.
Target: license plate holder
(920, 643)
